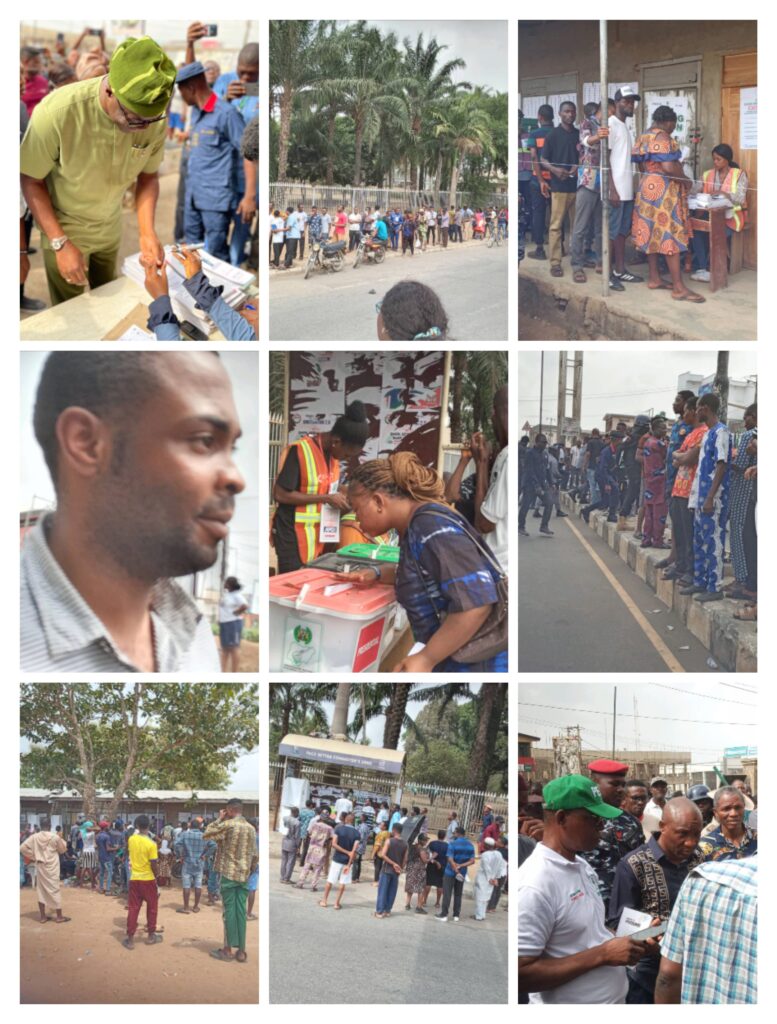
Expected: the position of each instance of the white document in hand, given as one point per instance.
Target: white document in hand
(632, 921)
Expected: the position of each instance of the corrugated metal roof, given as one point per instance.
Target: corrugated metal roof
(34, 794)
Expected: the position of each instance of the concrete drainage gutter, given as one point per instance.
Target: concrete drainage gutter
(731, 643)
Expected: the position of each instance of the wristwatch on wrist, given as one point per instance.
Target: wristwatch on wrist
(58, 243)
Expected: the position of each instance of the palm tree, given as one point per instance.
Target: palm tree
(290, 72)
(466, 128)
(491, 700)
(339, 727)
(324, 96)
(428, 84)
(368, 88)
(291, 702)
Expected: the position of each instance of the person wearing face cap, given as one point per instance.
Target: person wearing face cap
(657, 801)
(215, 158)
(89, 144)
(566, 954)
(620, 835)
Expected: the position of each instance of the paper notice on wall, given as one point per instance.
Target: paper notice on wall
(748, 118)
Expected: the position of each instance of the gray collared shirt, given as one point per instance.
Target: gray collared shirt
(61, 633)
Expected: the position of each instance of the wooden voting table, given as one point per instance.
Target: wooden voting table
(94, 315)
(716, 228)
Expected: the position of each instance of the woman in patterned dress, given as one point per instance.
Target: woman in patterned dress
(415, 878)
(660, 225)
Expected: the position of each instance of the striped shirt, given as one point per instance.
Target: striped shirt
(61, 633)
(191, 845)
(713, 933)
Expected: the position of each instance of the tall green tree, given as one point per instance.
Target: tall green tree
(298, 708)
(290, 73)
(124, 737)
(466, 129)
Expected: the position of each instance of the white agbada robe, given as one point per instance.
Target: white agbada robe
(492, 865)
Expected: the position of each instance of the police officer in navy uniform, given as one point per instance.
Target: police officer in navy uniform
(211, 185)
(620, 835)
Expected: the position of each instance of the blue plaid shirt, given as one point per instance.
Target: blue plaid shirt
(191, 845)
(713, 933)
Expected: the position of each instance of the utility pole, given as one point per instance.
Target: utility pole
(614, 716)
(721, 384)
(564, 390)
(561, 404)
(604, 177)
(542, 381)
(577, 390)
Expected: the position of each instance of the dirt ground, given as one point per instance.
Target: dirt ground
(84, 962)
(249, 657)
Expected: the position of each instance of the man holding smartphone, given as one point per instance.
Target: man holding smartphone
(239, 88)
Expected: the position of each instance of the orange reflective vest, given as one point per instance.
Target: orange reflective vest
(317, 474)
(736, 221)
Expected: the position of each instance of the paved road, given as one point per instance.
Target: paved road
(405, 958)
(570, 618)
(471, 283)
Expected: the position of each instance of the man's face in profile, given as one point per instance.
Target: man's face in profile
(163, 505)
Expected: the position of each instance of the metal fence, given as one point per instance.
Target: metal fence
(438, 800)
(291, 193)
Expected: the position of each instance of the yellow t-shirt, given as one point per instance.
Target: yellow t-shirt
(142, 851)
(87, 162)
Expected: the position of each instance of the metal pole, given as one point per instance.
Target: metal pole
(542, 378)
(614, 715)
(605, 161)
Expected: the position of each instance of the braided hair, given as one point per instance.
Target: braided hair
(401, 475)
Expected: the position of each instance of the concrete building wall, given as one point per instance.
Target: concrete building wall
(547, 48)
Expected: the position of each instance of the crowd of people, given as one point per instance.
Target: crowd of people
(451, 574)
(125, 104)
(689, 472)
(406, 229)
(594, 850)
(134, 860)
(561, 184)
(333, 841)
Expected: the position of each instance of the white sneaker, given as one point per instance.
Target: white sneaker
(700, 275)
(439, 917)
(455, 919)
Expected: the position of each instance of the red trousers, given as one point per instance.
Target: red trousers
(654, 522)
(139, 893)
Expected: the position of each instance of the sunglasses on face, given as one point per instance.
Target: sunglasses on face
(137, 122)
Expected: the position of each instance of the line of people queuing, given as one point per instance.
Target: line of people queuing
(560, 173)
(406, 229)
(690, 474)
(603, 856)
(335, 840)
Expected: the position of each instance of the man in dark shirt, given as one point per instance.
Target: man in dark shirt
(394, 857)
(607, 481)
(345, 846)
(539, 186)
(560, 157)
(536, 484)
(632, 469)
(591, 455)
(650, 878)
(619, 836)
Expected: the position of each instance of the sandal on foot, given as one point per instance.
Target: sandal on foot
(689, 297)
(748, 614)
(556, 272)
(579, 277)
(219, 954)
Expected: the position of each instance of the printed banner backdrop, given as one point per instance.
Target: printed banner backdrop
(401, 391)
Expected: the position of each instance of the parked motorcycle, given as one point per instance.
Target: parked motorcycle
(369, 250)
(326, 256)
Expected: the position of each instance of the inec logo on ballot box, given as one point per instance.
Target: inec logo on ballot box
(303, 635)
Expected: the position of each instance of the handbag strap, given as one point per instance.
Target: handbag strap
(479, 544)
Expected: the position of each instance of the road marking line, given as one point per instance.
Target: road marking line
(666, 655)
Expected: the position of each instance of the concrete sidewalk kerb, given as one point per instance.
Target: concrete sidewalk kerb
(580, 312)
(731, 642)
(299, 265)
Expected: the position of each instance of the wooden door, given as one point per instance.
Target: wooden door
(740, 71)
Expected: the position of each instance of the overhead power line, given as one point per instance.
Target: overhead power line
(656, 718)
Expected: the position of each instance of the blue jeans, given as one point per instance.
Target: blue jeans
(700, 245)
(240, 235)
(620, 218)
(593, 487)
(106, 872)
(214, 883)
(387, 890)
(208, 226)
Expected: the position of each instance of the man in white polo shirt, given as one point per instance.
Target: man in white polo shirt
(565, 952)
(491, 492)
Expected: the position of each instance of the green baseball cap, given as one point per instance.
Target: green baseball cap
(571, 792)
(142, 76)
